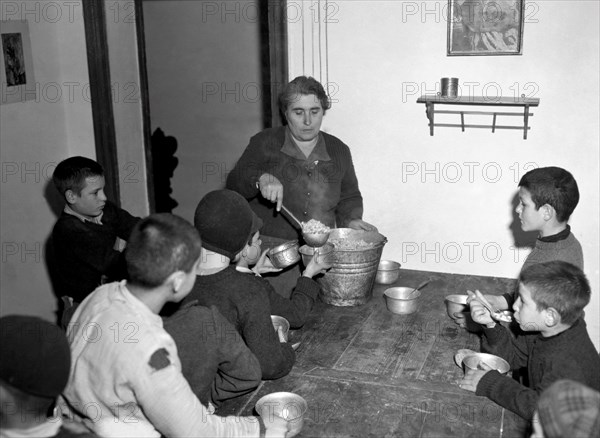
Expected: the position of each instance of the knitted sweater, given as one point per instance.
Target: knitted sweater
(567, 355)
(248, 303)
(83, 251)
(568, 250)
(322, 187)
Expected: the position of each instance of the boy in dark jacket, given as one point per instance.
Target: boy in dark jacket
(85, 236)
(224, 220)
(551, 299)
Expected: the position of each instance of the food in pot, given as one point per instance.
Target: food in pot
(314, 227)
(345, 244)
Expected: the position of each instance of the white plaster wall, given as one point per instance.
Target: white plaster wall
(445, 202)
(34, 136)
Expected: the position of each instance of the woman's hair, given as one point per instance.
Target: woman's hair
(160, 245)
(70, 174)
(559, 285)
(303, 86)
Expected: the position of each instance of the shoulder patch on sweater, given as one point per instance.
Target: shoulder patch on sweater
(159, 359)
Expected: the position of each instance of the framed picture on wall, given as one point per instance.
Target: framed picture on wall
(485, 27)
(16, 63)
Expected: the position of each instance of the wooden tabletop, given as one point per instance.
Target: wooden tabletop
(367, 372)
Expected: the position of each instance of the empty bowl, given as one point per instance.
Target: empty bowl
(287, 405)
(285, 254)
(388, 272)
(456, 304)
(307, 253)
(401, 300)
(280, 321)
(475, 361)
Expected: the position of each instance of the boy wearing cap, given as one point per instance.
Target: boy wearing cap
(33, 372)
(125, 365)
(549, 307)
(224, 220)
(567, 409)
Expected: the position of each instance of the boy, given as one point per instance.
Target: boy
(547, 198)
(124, 363)
(214, 358)
(33, 372)
(224, 220)
(551, 299)
(85, 234)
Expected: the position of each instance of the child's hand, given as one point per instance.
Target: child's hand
(479, 313)
(472, 377)
(318, 264)
(264, 265)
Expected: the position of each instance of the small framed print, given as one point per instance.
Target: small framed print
(485, 27)
(16, 63)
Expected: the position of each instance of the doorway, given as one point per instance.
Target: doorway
(214, 71)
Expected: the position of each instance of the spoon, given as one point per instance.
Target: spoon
(496, 314)
(419, 287)
(289, 213)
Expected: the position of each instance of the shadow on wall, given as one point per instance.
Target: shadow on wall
(521, 239)
(56, 203)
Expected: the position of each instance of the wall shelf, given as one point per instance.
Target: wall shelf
(523, 102)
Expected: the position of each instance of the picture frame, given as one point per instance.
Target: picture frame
(485, 27)
(17, 78)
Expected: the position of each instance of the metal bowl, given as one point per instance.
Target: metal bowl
(456, 304)
(388, 272)
(307, 253)
(287, 405)
(473, 362)
(397, 299)
(285, 254)
(280, 321)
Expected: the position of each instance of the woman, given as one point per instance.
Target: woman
(308, 171)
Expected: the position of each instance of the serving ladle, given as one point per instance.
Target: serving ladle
(291, 216)
(315, 240)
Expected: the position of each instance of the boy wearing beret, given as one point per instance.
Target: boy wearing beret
(33, 372)
(225, 222)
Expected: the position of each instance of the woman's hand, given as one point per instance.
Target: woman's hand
(271, 189)
(359, 224)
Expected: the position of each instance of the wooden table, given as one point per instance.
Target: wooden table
(367, 372)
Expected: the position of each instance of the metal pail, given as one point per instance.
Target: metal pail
(356, 256)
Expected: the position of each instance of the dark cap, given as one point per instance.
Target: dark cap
(569, 409)
(224, 220)
(35, 355)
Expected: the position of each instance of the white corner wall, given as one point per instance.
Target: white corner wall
(445, 202)
(35, 135)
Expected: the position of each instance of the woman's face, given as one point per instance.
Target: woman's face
(304, 116)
